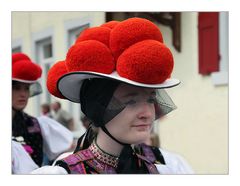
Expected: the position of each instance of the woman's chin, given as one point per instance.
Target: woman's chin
(139, 138)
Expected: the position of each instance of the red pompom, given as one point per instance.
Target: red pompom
(149, 62)
(101, 34)
(55, 72)
(90, 55)
(19, 57)
(24, 69)
(110, 24)
(131, 31)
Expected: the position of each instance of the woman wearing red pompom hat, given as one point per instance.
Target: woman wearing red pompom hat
(38, 136)
(121, 88)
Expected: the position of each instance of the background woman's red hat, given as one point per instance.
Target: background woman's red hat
(24, 70)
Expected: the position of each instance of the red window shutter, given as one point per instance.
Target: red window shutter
(208, 42)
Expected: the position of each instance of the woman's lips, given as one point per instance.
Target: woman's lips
(142, 127)
(22, 101)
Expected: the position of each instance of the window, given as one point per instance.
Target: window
(17, 45)
(44, 56)
(47, 50)
(221, 77)
(74, 33)
(213, 46)
(17, 49)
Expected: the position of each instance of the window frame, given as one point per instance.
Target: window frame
(16, 43)
(221, 77)
(39, 38)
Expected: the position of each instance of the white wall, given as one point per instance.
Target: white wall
(198, 129)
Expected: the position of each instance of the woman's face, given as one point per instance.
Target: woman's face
(20, 95)
(134, 123)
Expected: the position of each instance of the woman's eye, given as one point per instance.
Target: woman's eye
(27, 88)
(152, 100)
(130, 102)
(16, 88)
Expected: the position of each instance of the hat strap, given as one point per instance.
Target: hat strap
(108, 133)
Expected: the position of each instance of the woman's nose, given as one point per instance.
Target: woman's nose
(146, 111)
(24, 92)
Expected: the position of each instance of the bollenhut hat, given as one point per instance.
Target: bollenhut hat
(131, 51)
(24, 70)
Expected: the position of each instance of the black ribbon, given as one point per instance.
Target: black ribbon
(129, 163)
(95, 96)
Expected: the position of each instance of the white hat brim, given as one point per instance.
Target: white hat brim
(24, 81)
(70, 84)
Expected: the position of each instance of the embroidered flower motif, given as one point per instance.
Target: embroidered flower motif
(28, 149)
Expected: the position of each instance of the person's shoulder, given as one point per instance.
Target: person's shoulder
(62, 111)
(65, 114)
(50, 170)
(28, 116)
(174, 163)
(64, 162)
(171, 157)
(44, 120)
(77, 157)
(22, 163)
(70, 162)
